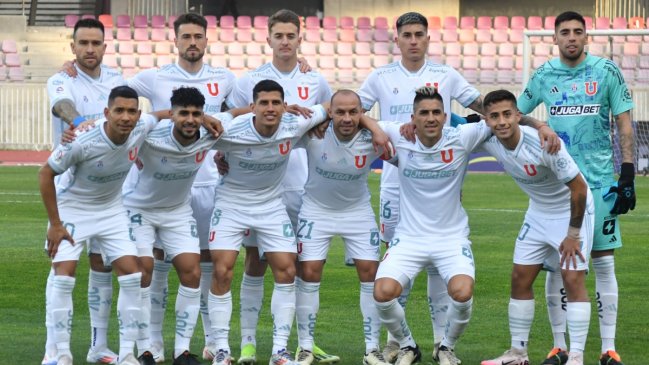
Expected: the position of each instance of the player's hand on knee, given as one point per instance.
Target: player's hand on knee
(56, 234)
(221, 164)
(625, 190)
(570, 250)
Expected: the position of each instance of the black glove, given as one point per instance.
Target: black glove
(625, 190)
(473, 118)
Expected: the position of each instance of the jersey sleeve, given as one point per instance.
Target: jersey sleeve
(144, 83)
(326, 93)
(531, 96)
(474, 134)
(562, 164)
(59, 87)
(149, 121)
(232, 81)
(319, 115)
(241, 94)
(64, 156)
(463, 92)
(368, 93)
(618, 92)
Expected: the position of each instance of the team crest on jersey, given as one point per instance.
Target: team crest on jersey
(285, 147)
(85, 98)
(411, 154)
(248, 152)
(212, 236)
(573, 87)
(200, 156)
(163, 159)
(530, 170)
(132, 154)
(590, 88)
(324, 156)
(395, 91)
(360, 161)
(213, 88)
(100, 164)
(447, 156)
(562, 163)
(303, 92)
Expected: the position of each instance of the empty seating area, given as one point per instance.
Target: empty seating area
(486, 50)
(11, 68)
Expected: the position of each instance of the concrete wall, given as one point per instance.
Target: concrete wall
(390, 8)
(526, 7)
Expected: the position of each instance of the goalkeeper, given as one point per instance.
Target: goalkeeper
(580, 91)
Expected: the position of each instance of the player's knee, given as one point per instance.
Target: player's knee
(460, 289)
(386, 289)
(191, 277)
(146, 279)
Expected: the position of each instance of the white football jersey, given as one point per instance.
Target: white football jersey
(338, 171)
(96, 167)
(215, 83)
(166, 169)
(430, 181)
(393, 87)
(89, 95)
(257, 163)
(304, 89)
(540, 175)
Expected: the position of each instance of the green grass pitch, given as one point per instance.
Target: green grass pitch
(495, 206)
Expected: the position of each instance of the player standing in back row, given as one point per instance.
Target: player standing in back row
(580, 91)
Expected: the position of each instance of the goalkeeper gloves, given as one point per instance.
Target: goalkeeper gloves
(625, 190)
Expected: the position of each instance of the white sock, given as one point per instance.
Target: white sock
(556, 299)
(403, 301)
(282, 309)
(607, 295)
(129, 311)
(188, 304)
(438, 302)
(100, 298)
(371, 321)
(459, 315)
(578, 321)
(220, 307)
(306, 307)
(205, 285)
(251, 298)
(143, 340)
(393, 317)
(521, 315)
(159, 292)
(50, 344)
(62, 310)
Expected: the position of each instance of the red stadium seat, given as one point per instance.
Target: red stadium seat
(434, 22)
(534, 23)
(501, 22)
(171, 20)
(211, 21)
(244, 21)
(106, 20)
(589, 22)
(363, 22)
(548, 22)
(123, 21)
(602, 22)
(518, 22)
(484, 22)
(346, 22)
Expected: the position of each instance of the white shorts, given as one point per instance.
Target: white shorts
(359, 233)
(389, 212)
(105, 231)
(175, 230)
(292, 199)
(203, 206)
(407, 256)
(539, 239)
(273, 229)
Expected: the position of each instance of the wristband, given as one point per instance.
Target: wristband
(627, 170)
(573, 233)
(78, 120)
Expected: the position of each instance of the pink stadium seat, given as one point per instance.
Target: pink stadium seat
(470, 49)
(396, 51)
(506, 49)
(158, 34)
(345, 70)
(345, 49)
(254, 62)
(163, 48)
(227, 22)
(548, 22)
(453, 49)
(127, 61)
(518, 22)
(381, 22)
(381, 49)
(347, 35)
(110, 48)
(542, 49)
(516, 35)
(235, 49)
(619, 23)
(3, 73)
(534, 23)
(470, 69)
(108, 34)
(630, 53)
(211, 21)
(363, 68)
(383, 35)
(106, 20)
(158, 21)
(88, 16)
(483, 35)
(260, 35)
(244, 35)
(126, 48)
(140, 21)
(589, 22)
(329, 22)
(254, 49)
(436, 50)
(434, 22)
(12, 60)
(643, 62)
(629, 76)
(519, 49)
(644, 49)
(449, 35)
(163, 60)
(327, 62)
(602, 22)
(327, 49)
(363, 22)
(244, 21)
(218, 61)
(146, 61)
(330, 35)
(346, 22)
(537, 61)
(500, 35)
(217, 49)
(312, 22)
(267, 50)
(362, 49)
(227, 35)
(454, 61)
(484, 22)
(467, 22)
(501, 22)
(488, 49)
(309, 48)
(505, 63)
(123, 34)
(466, 35)
(636, 22)
(450, 22)
(312, 35)
(9, 46)
(362, 35)
(505, 72)
(597, 49)
(488, 71)
(236, 63)
(123, 21)
(382, 60)
(260, 22)
(141, 34)
(16, 74)
(71, 20)
(110, 60)
(171, 20)
(144, 48)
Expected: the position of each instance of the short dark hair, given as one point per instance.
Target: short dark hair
(426, 93)
(284, 16)
(497, 96)
(346, 92)
(186, 96)
(190, 18)
(567, 16)
(266, 86)
(122, 92)
(88, 23)
(411, 18)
